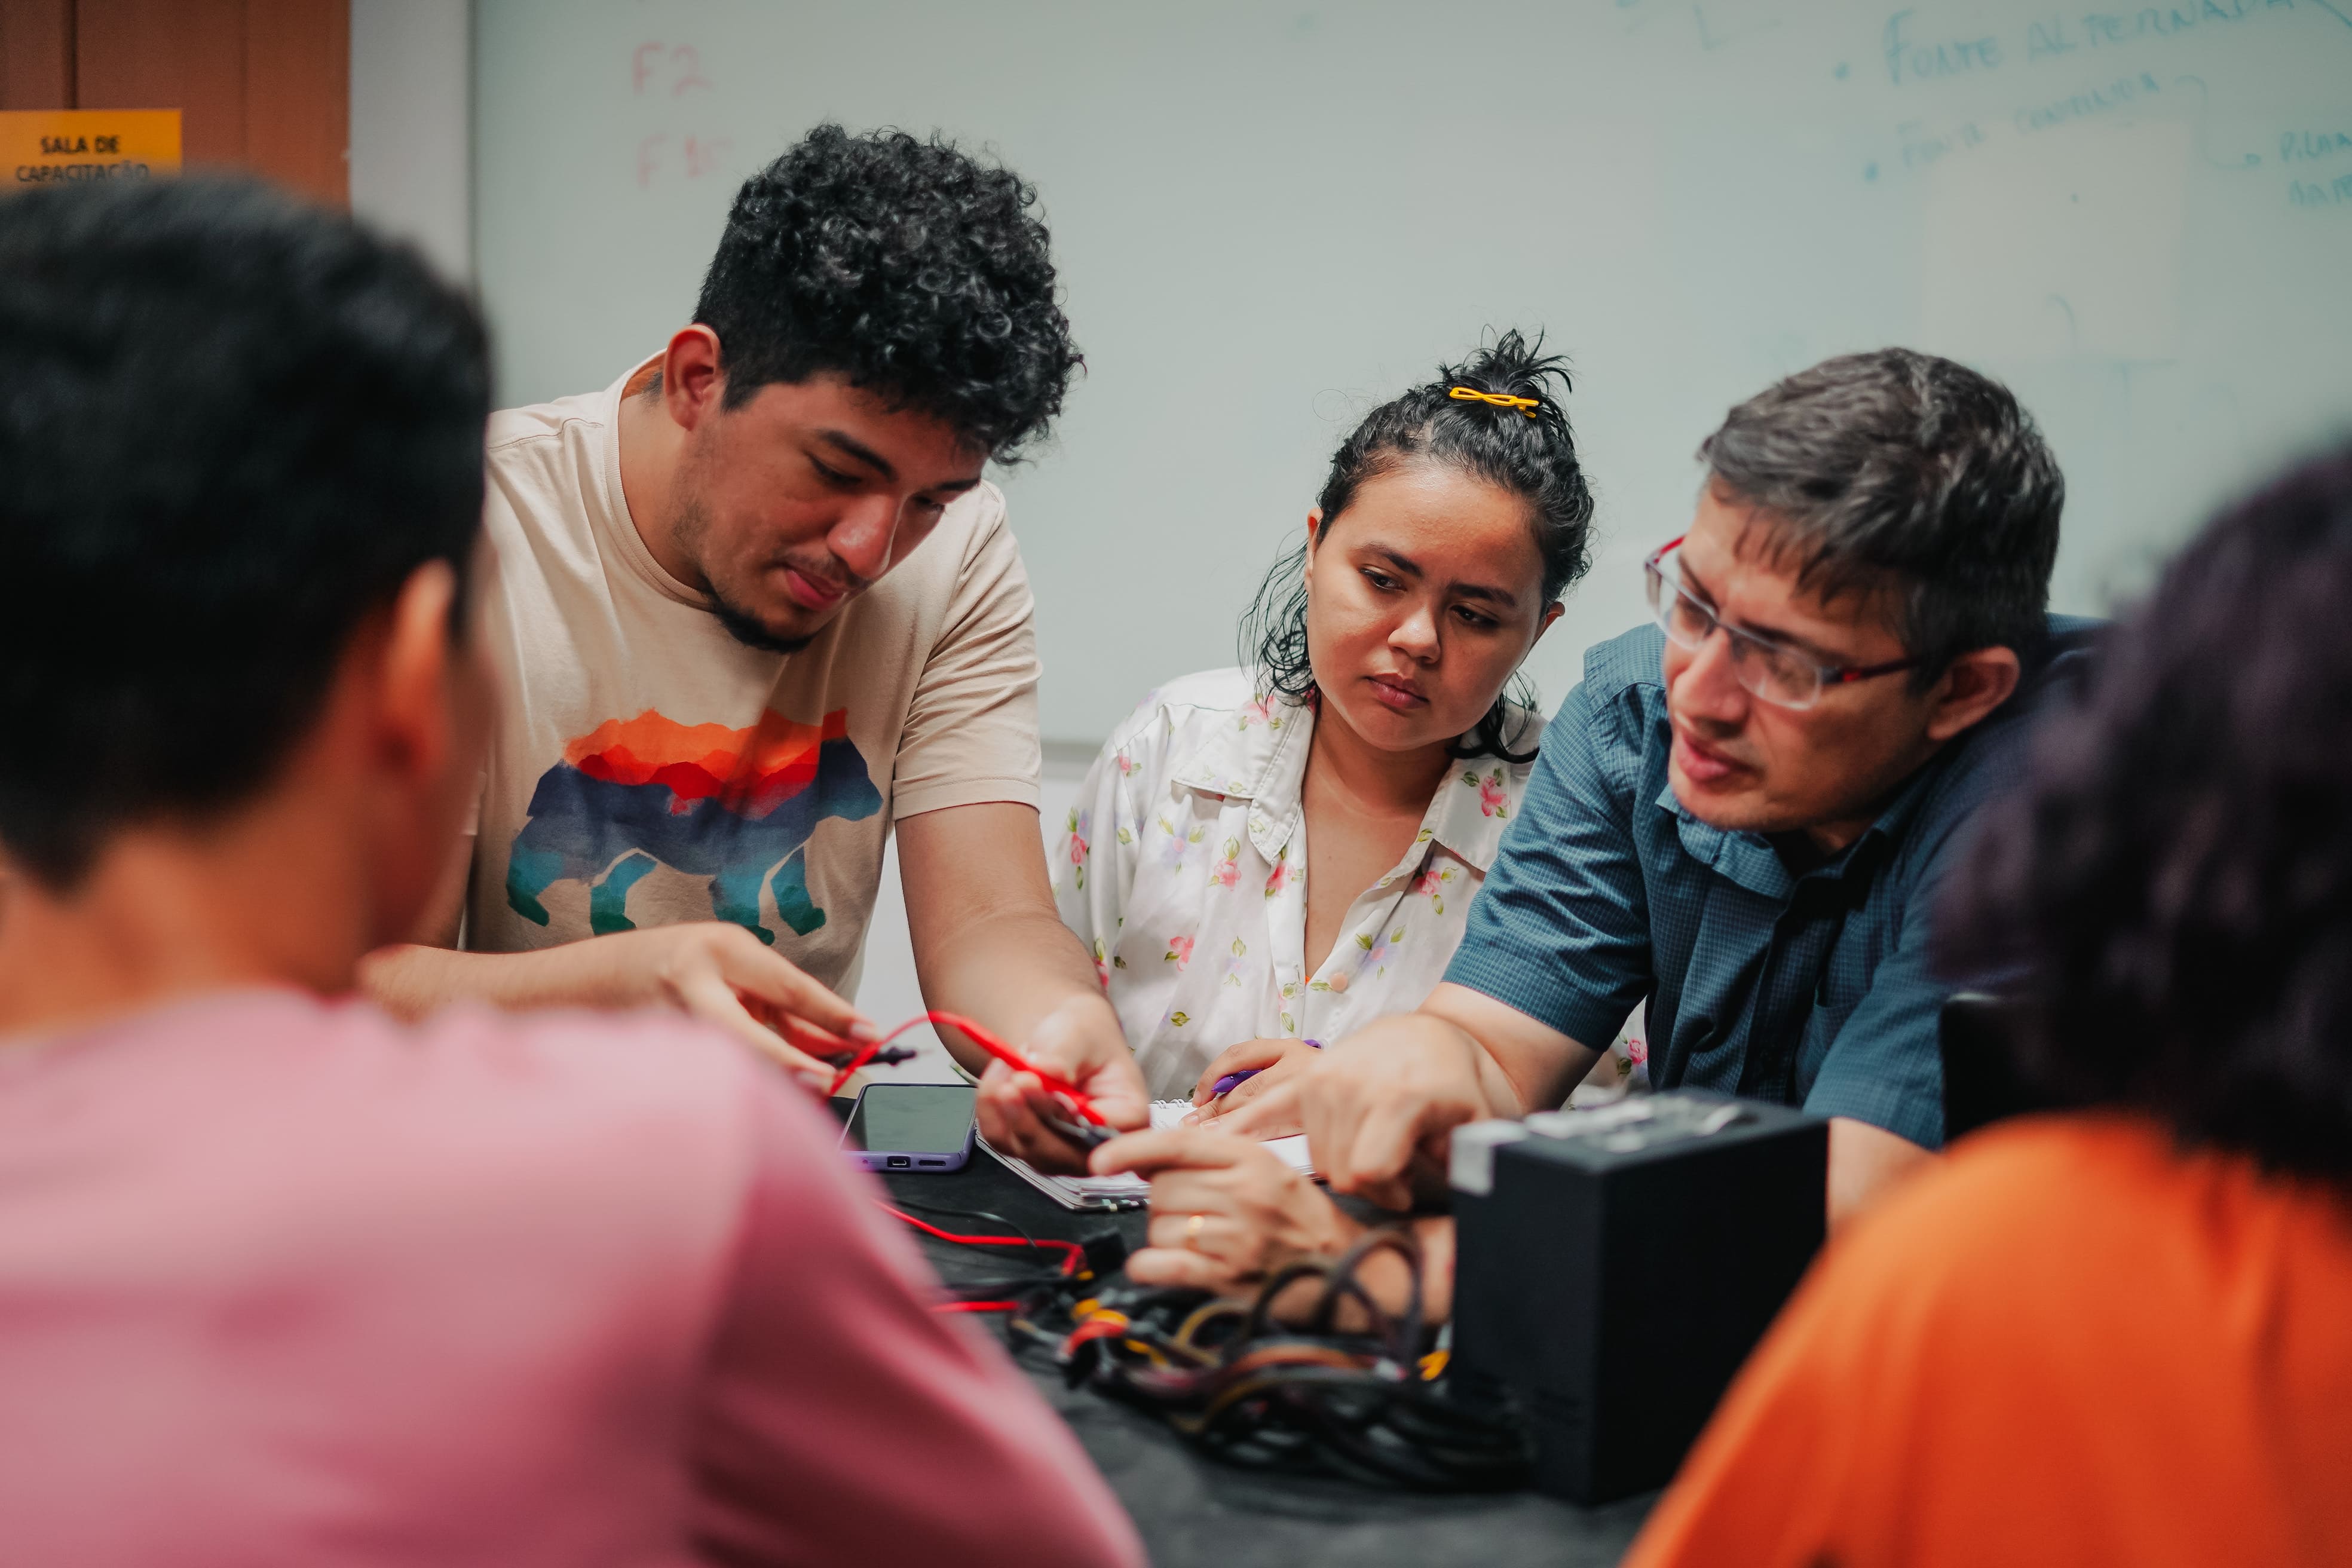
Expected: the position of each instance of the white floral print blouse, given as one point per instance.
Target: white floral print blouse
(1184, 870)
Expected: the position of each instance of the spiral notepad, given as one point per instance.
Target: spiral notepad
(1126, 1192)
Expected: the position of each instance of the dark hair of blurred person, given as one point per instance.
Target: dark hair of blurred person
(282, 1279)
(2115, 1331)
(231, 431)
(2174, 896)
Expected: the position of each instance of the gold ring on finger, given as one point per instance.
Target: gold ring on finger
(1192, 1232)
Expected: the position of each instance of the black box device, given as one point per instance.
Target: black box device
(1614, 1266)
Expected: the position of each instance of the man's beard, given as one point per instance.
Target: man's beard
(748, 630)
(693, 527)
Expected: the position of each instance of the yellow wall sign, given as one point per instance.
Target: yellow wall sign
(42, 146)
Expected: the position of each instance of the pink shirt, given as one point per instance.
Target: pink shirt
(283, 1281)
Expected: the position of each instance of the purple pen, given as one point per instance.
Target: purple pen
(1226, 1084)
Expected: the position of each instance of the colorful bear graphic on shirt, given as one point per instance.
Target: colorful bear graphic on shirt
(735, 806)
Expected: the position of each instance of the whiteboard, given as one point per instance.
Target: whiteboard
(1270, 217)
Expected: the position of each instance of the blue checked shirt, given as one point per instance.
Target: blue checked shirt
(1812, 989)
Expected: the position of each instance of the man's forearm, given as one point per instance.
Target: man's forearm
(1866, 1163)
(411, 980)
(710, 970)
(1501, 1095)
(990, 945)
(1007, 973)
(1523, 1065)
(1503, 1092)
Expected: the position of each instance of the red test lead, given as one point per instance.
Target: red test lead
(986, 1042)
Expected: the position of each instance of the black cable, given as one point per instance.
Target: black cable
(1270, 1396)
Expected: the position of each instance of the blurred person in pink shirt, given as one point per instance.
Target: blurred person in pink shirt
(283, 1280)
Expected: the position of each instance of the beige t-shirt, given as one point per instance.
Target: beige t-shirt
(648, 768)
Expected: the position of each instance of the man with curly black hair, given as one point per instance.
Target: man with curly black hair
(754, 608)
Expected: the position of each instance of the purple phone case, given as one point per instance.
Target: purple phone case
(902, 1159)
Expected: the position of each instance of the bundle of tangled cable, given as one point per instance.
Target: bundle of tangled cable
(1251, 1391)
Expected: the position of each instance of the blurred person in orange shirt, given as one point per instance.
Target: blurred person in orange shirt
(2121, 1331)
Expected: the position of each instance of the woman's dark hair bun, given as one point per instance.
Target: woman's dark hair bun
(1533, 458)
(1513, 367)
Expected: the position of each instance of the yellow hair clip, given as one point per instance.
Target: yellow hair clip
(1526, 406)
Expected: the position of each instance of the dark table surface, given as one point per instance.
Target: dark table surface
(1191, 1508)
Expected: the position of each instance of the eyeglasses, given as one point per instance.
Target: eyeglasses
(1774, 672)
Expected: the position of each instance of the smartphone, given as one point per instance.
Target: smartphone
(911, 1126)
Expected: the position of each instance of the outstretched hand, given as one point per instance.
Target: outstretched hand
(727, 977)
(1382, 1105)
(714, 971)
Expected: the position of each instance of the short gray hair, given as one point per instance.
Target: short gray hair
(1898, 471)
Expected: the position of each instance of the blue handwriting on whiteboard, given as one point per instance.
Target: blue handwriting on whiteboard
(2307, 146)
(1921, 147)
(1908, 60)
(2082, 105)
(1911, 56)
(2304, 193)
(2106, 28)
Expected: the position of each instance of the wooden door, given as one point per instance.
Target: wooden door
(263, 84)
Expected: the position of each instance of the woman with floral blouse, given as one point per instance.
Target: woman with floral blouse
(1268, 857)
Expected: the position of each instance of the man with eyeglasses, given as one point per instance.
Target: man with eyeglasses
(1742, 817)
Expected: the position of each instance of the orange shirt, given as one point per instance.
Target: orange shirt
(2072, 1343)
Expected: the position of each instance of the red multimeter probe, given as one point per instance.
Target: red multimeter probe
(1086, 1132)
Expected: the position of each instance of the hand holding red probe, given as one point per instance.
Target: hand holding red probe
(1026, 1103)
(872, 1051)
(1068, 1094)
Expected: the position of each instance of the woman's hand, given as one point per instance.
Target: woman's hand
(1262, 1105)
(1224, 1213)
